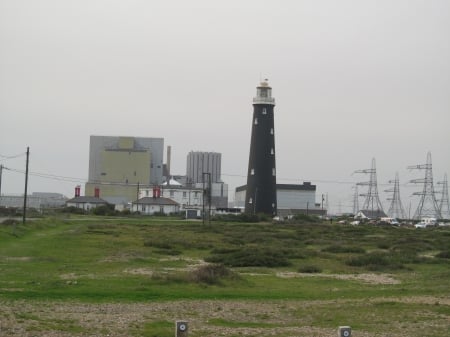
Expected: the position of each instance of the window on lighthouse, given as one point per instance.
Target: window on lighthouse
(272, 151)
(256, 121)
(264, 111)
(252, 172)
(271, 131)
(273, 171)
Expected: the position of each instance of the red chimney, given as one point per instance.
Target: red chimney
(77, 191)
(97, 192)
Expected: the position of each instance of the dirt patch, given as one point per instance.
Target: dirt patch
(367, 278)
(206, 318)
(139, 271)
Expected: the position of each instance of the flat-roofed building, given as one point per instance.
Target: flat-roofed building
(291, 199)
(118, 165)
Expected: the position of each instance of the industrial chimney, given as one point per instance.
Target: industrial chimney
(77, 191)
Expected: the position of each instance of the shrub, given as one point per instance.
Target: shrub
(10, 222)
(310, 269)
(211, 274)
(126, 211)
(9, 211)
(72, 210)
(383, 245)
(171, 252)
(162, 244)
(251, 257)
(375, 261)
(343, 249)
(303, 218)
(444, 254)
(104, 210)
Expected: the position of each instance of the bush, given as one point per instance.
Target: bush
(9, 211)
(72, 210)
(251, 257)
(310, 269)
(376, 261)
(303, 218)
(10, 222)
(444, 254)
(211, 274)
(104, 210)
(343, 249)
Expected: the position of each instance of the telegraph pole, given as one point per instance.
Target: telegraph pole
(137, 192)
(26, 188)
(1, 170)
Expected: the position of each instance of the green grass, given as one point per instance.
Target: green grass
(58, 259)
(129, 260)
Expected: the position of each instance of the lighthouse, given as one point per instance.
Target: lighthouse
(261, 194)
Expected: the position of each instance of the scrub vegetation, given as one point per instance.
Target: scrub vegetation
(226, 278)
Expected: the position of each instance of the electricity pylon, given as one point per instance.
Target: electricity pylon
(372, 202)
(444, 205)
(396, 209)
(427, 206)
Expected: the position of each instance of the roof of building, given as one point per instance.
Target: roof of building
(172, 182)
(371, 214)
(86, 200)
(306, 186)
(156, 201)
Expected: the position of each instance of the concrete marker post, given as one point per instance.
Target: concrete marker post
(344, 331)
(181, 329)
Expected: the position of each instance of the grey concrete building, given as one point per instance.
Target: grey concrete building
(199, 163)
(117, 165)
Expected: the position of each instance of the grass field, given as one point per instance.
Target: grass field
(98, 276)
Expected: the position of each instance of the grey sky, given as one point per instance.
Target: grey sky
(352, 80)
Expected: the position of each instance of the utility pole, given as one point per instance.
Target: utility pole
(207, 195)
(137, 192)
(323, 199)
(26, 188)
(1, 170)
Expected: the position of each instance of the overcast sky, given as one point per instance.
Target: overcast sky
(353, 80)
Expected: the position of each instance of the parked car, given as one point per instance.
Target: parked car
(421, 225)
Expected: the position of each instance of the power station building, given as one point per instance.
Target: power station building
(119, 165)
(261, 194)
(203, 170)
(200, 163)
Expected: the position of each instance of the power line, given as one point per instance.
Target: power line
(48, 175)
(298, 179)
(12, 157)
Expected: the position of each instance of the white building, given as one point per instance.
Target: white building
(291, 199)
(151, 205)
(86, 203)
(186, 197)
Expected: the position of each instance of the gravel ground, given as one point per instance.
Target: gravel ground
(63, 319)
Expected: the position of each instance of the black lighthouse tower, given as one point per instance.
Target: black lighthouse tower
(261, 194)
